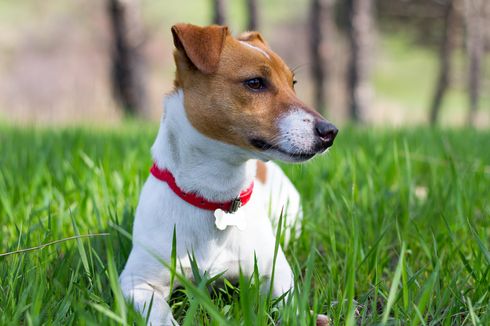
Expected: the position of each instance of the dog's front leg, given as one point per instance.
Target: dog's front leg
(283, 280)
(144, 296)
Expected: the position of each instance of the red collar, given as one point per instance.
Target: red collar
(201, 202)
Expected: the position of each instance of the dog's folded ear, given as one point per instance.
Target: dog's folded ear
(252, 37)
(202, 46)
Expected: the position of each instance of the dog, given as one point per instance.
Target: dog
(232, 112)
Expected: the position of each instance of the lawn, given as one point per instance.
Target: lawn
(396, 231)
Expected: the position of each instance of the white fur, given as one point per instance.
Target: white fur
(296, 137)
(256, 49)
(297, 131)
(218, 172)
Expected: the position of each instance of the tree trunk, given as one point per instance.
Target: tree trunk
(128, 83)
(252, 24)
(320, 16)
(219, 9)
(446, 50)
(360, 30)
(486, 23)
(475, 48)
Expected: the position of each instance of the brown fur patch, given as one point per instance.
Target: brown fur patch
(261, 172)
(201, 45)
(252, 37)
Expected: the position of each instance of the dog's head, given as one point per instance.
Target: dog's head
(238, 91)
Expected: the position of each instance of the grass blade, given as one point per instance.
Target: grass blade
(394, 286)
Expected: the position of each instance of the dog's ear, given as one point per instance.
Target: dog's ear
(202, 46)
(252, 37)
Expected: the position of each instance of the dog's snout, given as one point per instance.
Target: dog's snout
(326, 131)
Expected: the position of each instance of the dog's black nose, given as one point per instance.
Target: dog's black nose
(326, 131)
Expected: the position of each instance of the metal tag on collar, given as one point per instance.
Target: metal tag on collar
(235, 205)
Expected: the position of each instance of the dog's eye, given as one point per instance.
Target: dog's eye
(294, 82)
(255, 84)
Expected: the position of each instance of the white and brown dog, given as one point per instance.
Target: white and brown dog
(233, 106)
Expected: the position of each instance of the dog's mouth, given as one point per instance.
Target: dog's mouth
(295, 156)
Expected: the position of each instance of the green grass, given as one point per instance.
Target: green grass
(396, 231)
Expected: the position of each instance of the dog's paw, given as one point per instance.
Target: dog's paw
(322, 320)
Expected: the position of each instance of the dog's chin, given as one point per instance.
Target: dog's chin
(271, 152)
(288, 157)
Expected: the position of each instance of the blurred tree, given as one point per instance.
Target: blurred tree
(445, 54)
(421, 19)
(474, 21)
(219, 12)
(486, 17)
(360, 28)
(252, 23)
(320, 17)
(128, 83)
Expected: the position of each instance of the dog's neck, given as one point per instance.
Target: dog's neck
(212, 169)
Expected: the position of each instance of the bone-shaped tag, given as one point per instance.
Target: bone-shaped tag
(224, 219)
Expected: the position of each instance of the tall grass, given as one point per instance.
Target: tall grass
(396, 231)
